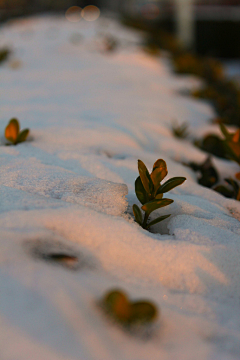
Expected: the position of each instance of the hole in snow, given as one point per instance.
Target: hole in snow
(57, 253)
(112, 155)
(61, 258)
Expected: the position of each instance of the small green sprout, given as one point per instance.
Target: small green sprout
(13, 134)
(149, 191)
(180, 131)
(232, 143)
(110, 43)
(117, 304)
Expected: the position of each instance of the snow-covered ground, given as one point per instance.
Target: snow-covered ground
(92, 115)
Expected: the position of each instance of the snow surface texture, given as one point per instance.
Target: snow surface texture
(92, 115)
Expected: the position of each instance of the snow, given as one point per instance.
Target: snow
(70, 188)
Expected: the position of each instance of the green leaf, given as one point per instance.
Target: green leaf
(12, 131)
(113, 296)
(15, 122)
(155, 204)
(157, 220)
(234, 184)
(224, 191)
(236, 136)
(160, 163)
(138, 215)
(231, 153)
(170, 184)
(158, 175)
(140, 191)
(225, 132)
(235, 147)
(143, 312)
(22, 136)
(145, 177)
(117, 304)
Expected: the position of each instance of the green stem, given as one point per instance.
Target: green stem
(146, 216)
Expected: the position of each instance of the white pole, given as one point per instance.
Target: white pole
(185, 22)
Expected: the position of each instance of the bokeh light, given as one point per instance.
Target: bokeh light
(90, 13)
(73, 14)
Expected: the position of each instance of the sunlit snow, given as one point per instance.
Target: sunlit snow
(92, 115)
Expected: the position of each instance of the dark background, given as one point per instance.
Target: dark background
(216, 22)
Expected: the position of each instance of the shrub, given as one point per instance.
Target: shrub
(208, 174)
(13, 134)
(225, 97)
(212, 144)
(209, 177)
(149, 191)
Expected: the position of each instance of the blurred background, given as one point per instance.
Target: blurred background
(210, 27)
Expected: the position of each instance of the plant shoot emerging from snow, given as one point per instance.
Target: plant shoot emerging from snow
(232, 146)
(117, 304)
(149, 191)
(13, 133)
(232, 143)
(180, 131)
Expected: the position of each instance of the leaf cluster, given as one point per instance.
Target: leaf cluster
(227, 148)
(149, 191)
(224, 95)
(212, 144)
(13, 133)
(232, 146)
(126, 312)
(185, 61)
(230, 190)
(189, 63)
(209, 177)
